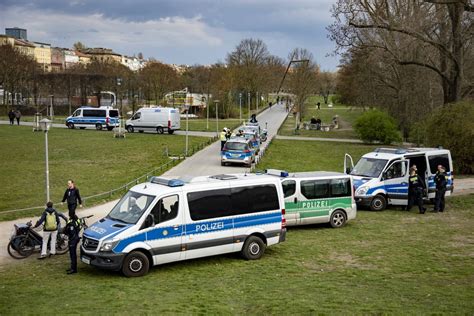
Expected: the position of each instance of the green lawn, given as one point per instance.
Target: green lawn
(390, 262)
(30, 118)
(95, 160)
(201, 124)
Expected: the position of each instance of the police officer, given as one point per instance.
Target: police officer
(441, 181)
(223, 137)
(72, 230)
(415, 189)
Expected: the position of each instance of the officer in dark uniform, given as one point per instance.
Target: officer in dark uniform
(72, 230)
(441, 181)
(416, 188)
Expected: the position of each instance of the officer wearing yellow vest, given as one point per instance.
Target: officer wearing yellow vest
(441, 181)
(223, 137)
(416, 188)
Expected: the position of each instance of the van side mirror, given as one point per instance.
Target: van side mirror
(348, 170)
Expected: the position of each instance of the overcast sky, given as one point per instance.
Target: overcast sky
(176, 31)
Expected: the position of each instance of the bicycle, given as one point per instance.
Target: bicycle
(25, 240)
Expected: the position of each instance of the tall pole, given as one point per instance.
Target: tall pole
(256, 100)
(187, 115)
(217, 117)
(47, 165)
(240, 107)
(207, 108)
(249, 103)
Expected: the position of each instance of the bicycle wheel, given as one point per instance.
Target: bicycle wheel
(62, 244)
(20, 247)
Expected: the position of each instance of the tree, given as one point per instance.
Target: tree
(327, 84)
(157, 79)
(436, 33)
(377, 126)
(79, 46)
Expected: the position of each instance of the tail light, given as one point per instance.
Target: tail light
(283, 219)
(169, 123)
(246, 151)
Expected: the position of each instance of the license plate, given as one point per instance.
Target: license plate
(86, 260)
(235, 155)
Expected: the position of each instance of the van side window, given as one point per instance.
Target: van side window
(93, 113)
(438, 160)
(165, 209)
(209, 204)
(76, 113)
(289, 187)
(394, 171)
(341, 187)
(113, 113)
(260, 198)
(315, 189)
(136, 116)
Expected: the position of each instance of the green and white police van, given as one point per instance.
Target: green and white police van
(317, 197)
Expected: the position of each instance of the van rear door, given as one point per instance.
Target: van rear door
(435, 158)
(395, 180)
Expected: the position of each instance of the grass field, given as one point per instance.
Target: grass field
(390, 262)
(201, 124)
(95, 160)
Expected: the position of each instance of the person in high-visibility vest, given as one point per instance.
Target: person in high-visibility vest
(223, 137)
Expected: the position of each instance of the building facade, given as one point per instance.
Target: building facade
(16, 32)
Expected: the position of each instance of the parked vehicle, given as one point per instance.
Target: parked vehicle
(154, 119)
(381, 177)
(262, 133)
(238, 150)
(103, 117)
(168, 220)
(317, 197)
(25, 240)
(253, 137)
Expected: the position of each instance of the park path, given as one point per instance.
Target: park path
(204, 162)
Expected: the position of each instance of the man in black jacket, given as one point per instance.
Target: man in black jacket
(416, 187)
(72, 196)
(72, 230)
(441, 181)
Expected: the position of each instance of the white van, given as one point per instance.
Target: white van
(317, 197)
(168, 220)
(155, 119)
(381, 177)
(86, 116)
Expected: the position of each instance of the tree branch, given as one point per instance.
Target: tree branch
(417, 63)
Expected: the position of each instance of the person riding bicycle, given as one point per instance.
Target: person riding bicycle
(50, 218)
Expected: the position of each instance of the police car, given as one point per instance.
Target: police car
(168, 220)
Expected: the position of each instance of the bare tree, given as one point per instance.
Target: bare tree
(158, 79)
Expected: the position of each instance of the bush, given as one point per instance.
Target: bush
(452, 126)
(377, 126)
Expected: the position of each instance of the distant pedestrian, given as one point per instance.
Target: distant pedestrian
(18, 116)
(270, 105)
(416, 188)
(50, 218)
(441, 181)
(223, 137)
(318, 105)
(72, 196)
(11, 116)
(72, 230)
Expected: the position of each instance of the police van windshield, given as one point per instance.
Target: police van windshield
(131, 207)
(369, 167)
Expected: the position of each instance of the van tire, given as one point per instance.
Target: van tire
(129, 128)
(159, 130)
(223, 163)
(70, 125)
(98, 127)
(253, 249)
(170, 131)
(379, 203)
(136, 264)
(338, 219)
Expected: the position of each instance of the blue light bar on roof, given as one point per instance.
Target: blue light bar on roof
(167, 182)
(276, 172)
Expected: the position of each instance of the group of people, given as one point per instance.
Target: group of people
(50, 219)
(12, 115)
(317, 122)
(225, 136)
(417, 189)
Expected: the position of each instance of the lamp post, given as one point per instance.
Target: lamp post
(249, 103)
(256, 101)
(240, 107)
(45, 125)
(186, 106)
(51, 111)
(217, 116)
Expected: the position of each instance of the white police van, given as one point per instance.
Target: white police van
(102, 117)
(154, 119)
(381, 177)
(168, 220)
(317, 197)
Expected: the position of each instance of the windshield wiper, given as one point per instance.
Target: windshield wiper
(117, 219)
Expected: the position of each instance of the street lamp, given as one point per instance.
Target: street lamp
(249, 103)
(240, 107)
(186, 106)
(45, 125)
(217, 116)
(256, 101)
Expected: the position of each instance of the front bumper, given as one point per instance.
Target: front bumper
(245, 160)
(364, 201)
(103, 260)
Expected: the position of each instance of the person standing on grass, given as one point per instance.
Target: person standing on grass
(11, 117)
(416, 188)
(441, 181)
(18, 116)
(73, 197)
(72, 230)
(50, 218)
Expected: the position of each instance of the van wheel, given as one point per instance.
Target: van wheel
(159, 130)
(135, 264)
(338, 219)
(109, 128)
(70, 125)
(98, 127)
(223, 163)
(130, 129)
(253, 249)
(379, 203)
(170, 131)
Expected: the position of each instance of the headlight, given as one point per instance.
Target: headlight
(362, 190)
(108, 245)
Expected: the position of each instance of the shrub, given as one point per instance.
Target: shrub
(452, 126)
(377, 126)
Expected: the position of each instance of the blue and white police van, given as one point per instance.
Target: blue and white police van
(98, 118)
(168, 220)
(381, 177)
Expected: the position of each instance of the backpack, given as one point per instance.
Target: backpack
(50, 223)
